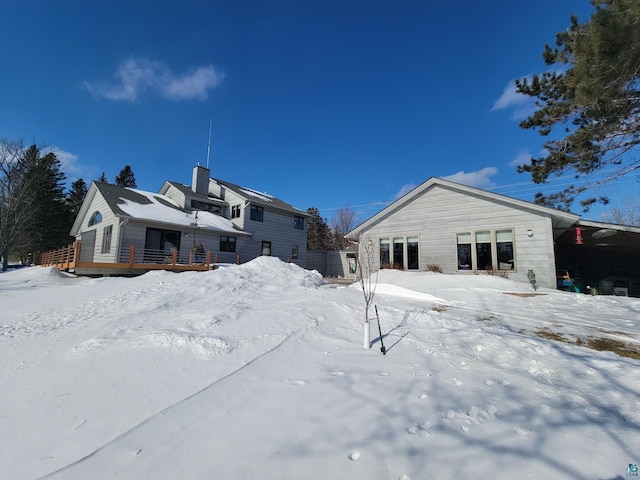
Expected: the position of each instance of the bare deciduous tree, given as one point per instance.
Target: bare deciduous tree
(13, 195)
(627, 213)
(342, 223)
(367, 276)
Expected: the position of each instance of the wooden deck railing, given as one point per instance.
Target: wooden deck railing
(131, 259)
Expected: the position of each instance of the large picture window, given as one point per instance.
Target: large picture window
(464, 251)
(504, 246)
(159, 244)
(485, 250)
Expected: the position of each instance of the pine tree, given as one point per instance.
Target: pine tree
(592, 91)
(75, 197)
(46, 208)
(318, 232)
(126, 178)
(103, 178)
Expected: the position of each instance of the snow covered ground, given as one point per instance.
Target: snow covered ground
(257, 371)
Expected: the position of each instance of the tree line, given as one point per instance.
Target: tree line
(37, 210)
(330, 236)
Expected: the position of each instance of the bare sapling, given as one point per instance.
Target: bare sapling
(367, 275)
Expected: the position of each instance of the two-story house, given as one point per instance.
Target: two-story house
(229, 222)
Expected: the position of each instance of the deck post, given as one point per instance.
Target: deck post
(76, 255)
(174, 256)
(132, 255)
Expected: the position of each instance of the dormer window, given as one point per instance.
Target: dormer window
(96, 218)
(207, 207)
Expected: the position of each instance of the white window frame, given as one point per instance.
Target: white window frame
(494, 248)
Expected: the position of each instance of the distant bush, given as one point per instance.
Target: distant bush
(497, 273)
(432, 267)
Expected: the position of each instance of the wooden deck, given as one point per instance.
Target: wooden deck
(138, 262)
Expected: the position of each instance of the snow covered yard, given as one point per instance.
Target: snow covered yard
(257, 371)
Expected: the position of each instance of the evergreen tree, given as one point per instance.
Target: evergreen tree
(318, 232)
(103, 178)
(592, 90)
(126, 178)
(75, 197)
(46, 208)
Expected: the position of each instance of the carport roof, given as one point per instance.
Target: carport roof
(624, 238)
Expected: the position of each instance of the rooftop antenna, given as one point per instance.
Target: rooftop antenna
(209, 144)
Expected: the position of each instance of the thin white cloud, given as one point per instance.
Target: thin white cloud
(68, 161)
(404, 190)
(522, 158)
(135, 76)
(193, 85)
(522, 105)
(479, 179)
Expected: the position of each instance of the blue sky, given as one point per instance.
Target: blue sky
(324, 104)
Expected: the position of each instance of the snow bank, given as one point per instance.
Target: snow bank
(253, 371)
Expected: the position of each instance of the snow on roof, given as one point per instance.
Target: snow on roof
(159, 210)
(263, 196)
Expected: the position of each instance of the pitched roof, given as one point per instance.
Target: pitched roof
(153, 207)
(188, 191)
(561, 219)
(258, 198)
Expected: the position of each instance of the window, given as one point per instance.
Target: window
(207, 207)
(412, 253)
(266, 249)
(398, 253)
(504, 244)
(257, 213)
(159, 244)
(353, 263)
(96, 218)
(464, 251)
(106, 239)
(227, 244)
(385, 262)
(298, 222)
(485, 250)
(235, 211)
(294, 251)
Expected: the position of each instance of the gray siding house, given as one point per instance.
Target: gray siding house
(232, 222)
(465, 230)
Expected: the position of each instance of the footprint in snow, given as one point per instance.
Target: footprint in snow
(354, 456)
(383, 374)
(423, 396)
